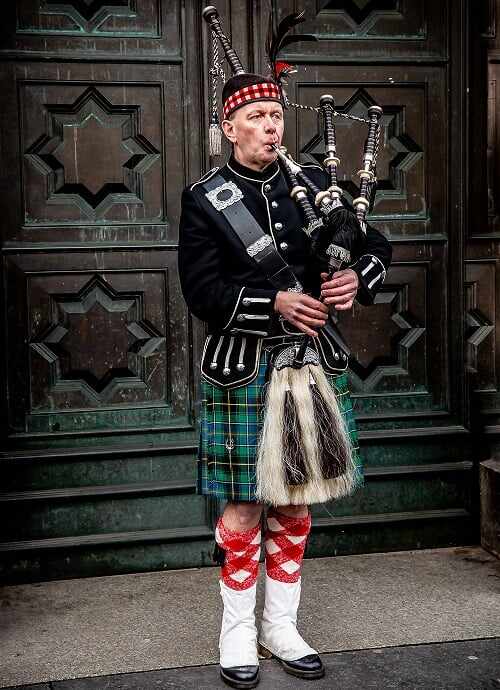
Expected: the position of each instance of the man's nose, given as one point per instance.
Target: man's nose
(269, 123)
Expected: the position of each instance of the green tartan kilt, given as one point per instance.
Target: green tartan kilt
(230, 423)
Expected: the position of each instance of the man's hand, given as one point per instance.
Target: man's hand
(341, 290)
(304, 312)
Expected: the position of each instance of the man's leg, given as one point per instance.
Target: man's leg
(285, 539)
(238, 534)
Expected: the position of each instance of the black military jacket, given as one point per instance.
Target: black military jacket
(223, 285)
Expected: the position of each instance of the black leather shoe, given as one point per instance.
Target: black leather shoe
(308, 667)
(240, 676)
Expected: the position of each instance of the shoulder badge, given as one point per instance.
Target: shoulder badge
(224, 195)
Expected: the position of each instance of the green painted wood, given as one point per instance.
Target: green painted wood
(125, 508)
(78, 470)
(101, 515)
(139, 552)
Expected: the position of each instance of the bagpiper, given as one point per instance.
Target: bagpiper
(269, 256)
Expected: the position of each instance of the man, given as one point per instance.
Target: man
(227, 289)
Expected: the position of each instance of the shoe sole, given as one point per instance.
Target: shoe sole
(240, 684)
(305, 675)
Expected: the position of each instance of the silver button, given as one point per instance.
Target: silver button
(278, 226)
(274, 204)
(267, 187)
(284, 246)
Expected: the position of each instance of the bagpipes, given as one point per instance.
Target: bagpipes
(336, 233)
(304, 453)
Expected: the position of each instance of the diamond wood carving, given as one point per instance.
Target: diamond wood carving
(97, 341)
(97, 333)
(88, 29)
(365, 22)
(381, 348)
(362, 15)
(480, 305)
(88, 15)
(357, 30)
(478, 329)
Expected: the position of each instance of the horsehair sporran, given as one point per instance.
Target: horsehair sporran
(317, 435)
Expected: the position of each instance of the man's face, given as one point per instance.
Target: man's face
(252, 129)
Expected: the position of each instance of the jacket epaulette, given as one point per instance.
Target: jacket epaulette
(205, 177)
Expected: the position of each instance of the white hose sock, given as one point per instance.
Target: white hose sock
(278, 632)
(238, 637)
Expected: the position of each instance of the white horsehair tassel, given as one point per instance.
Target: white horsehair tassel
(214, 139)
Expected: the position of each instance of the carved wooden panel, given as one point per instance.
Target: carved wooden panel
(411, 174)
(354, 28)
(96, 154)
(97, 330)
(397, 344)
(369, 18)
(123, 27)
(99, 17)
(95, 343)
(480, 317)
(91, 153)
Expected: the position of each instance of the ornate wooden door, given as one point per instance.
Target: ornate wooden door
(102, 130)
(104, 124)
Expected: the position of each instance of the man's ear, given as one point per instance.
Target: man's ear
(228, 129)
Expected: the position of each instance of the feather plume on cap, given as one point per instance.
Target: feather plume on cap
(277, 39)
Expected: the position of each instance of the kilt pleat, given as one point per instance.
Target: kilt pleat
(230, 423)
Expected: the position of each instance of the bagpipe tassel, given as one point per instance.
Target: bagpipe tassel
(214, 138)
(272, 457)
(304, 454)
(295, 459)
(334, 443)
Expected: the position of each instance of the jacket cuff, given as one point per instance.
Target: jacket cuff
(371, 273)
(253, 312)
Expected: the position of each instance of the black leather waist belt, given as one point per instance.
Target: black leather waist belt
(271, 341)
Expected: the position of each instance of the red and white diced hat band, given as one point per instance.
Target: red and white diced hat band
(247, 94)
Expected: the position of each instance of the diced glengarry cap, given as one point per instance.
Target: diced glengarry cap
(242, 89)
